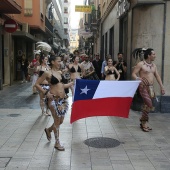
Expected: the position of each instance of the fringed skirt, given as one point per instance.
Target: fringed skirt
(45, 86)
(60, 105)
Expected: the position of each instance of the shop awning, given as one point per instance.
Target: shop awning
(25, 35)
(9, 7)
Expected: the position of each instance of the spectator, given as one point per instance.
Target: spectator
(121, 66)
(97, 63)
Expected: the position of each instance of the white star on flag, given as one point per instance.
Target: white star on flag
(85, 90)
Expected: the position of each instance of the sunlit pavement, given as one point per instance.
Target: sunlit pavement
(23, 143)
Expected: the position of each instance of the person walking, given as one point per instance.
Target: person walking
(145, 71)
(64, 68)
(45, 85)
(75, 71)
(56, 97)
(34, 64)
(104, 63)
(110, 71)
(24, 68)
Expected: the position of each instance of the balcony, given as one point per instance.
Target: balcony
(95, 17)
(48, 25)
(9, 7)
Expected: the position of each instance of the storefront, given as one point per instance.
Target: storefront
(132, 24)
(6, 7)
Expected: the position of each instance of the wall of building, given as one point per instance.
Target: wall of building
(147, 33)
(108, 23)
(167, 52)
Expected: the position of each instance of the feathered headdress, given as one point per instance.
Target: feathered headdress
(37, 52)
(43, 46)
(138, 53)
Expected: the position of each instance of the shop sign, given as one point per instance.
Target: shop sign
(83, 8)
(123, 7)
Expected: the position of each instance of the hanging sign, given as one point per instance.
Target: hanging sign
(83, 8)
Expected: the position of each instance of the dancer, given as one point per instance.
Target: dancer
(75, 71)
(45, 85)
(110, 71)
(147, 70)
(56, 97)
(34, 64)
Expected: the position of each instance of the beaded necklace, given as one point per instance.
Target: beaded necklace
(148, 64)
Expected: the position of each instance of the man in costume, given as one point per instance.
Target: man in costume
(145, 71)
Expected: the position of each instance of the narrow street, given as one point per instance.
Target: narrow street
(23, 143)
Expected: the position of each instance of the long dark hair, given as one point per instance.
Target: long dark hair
(42, 56)
(53, 58)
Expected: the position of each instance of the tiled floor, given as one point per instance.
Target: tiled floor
(23, 144)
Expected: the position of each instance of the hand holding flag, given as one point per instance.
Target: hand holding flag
(102, 98)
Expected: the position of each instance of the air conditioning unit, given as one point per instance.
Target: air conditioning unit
(25, 27)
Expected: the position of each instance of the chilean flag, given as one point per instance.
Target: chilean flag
(102, 98)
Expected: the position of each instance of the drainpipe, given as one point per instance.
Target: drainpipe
(131, 42)
(101, 45)
(163, 43)
(1, 78)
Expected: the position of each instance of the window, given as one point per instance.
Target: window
(65, 31)
(41, 10)
(65, 1)
(28, 7)
(65, 20)
(65, 10)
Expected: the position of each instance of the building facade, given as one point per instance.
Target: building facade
(36, 21)
(130, 24)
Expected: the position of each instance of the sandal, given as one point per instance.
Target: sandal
(145, 129)
(47, 113)
(48, 134)
(59, 147)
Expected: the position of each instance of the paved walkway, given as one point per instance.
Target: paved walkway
(23, 144)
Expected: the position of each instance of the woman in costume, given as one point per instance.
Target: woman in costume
(33, 65)
(56, 97)
(88, 69)
(75, 70)
(45, 85)
(111, 71)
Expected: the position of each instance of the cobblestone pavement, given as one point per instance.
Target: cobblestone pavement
(23, 144)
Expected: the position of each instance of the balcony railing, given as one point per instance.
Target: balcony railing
(95, 16)
(28, 11)
(48, 25)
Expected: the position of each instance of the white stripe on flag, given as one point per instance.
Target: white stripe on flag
(116, 89)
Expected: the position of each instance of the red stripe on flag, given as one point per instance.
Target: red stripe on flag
(116, 106)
